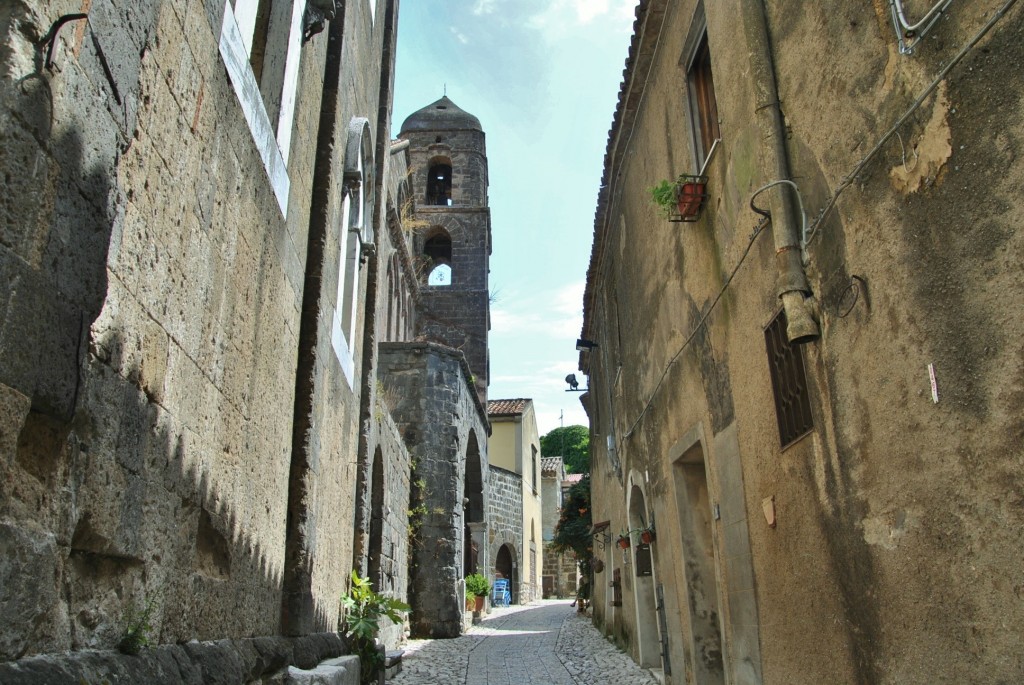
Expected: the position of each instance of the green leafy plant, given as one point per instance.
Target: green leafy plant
(470, 600)
(364, 609)
(664, 195)
(572, 532)
(135, 635)
(477, 585)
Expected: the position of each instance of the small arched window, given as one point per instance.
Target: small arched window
(439, 183)
(438, 250)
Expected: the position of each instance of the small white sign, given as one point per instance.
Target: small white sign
(935, 386)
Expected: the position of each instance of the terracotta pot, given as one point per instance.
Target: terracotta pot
(691, 195)
(647, 536)
(478, 605)
(624, 542)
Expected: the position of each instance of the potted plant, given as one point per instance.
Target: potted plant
(624, 541)
(363, 610)
(477, 585)
(682, 199)
(471, 601)
(647, 535)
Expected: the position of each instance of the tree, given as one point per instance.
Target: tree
(572, 532)
(572, 444)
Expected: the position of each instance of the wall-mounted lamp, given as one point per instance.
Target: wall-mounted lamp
(574, 385)
(584, 345)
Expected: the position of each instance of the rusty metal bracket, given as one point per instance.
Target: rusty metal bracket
(50, 39)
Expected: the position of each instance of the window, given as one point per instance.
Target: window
(438, 250)
(260, 42)
(439, 184)
(533, 466)
(355, 230)
(700, 85)
(789, 384)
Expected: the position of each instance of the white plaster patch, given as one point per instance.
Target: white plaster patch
(886, 530)
(922, 161)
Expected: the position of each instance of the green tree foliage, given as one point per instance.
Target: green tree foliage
(572, 444)
(572, 532)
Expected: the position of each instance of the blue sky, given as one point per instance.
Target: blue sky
(543, 78)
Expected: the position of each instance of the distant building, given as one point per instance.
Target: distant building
(514, 492)
(560, 568)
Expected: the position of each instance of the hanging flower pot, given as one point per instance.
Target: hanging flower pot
(690, 197)
(598, 565)
(624, 541)
(647, 536)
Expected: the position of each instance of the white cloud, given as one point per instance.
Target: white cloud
(484, 7)
(558, 314)
(459, 35)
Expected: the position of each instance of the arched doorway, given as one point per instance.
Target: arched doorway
(473, 504)
(645, 600)
(505, 564)
(376, 521)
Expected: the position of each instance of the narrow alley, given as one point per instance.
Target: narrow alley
(544, 643)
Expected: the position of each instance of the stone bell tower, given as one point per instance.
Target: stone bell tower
(448, 161)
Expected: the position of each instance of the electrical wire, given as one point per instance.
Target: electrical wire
(851, 177)
(758, 229)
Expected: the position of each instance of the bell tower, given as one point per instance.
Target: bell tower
(448, 160)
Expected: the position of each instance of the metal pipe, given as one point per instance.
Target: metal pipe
(910, 29)
(793, 287)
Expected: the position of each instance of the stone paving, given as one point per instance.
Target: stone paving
(544, 643)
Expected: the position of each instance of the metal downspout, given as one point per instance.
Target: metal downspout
(793, 287)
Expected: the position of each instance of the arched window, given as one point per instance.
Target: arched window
(356, 229)
(438, 249)
(439, 183)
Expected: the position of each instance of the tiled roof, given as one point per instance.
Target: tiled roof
(507, 407)
(550, 466)
(573, 478)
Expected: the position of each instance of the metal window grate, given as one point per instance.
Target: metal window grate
(789, 383)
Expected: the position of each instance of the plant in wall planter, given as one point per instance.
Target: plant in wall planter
(624, 541)
(682, 199)
(647, 535)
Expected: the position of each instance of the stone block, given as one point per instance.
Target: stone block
(28, 585)
(340, 671)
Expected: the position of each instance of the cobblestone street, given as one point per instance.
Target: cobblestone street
(544, 643)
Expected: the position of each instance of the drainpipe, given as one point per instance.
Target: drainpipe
(793, 288)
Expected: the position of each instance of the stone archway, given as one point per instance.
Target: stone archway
(644, 583)
(507, 564)
(373, 561)
(473, 506)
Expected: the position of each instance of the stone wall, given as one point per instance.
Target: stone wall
(505, 513)
(153, 280)
(267, 660)
(442, 422)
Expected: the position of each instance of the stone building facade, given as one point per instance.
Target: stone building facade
(560, 569)
(820, 422)
(203, 264)
(514, 491)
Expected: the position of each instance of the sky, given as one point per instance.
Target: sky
(543, 77)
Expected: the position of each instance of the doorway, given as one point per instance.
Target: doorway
(648, 641)
(695, 521)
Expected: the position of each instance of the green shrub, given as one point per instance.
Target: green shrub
(477, 585)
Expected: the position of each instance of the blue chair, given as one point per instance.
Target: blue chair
(500, 596)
